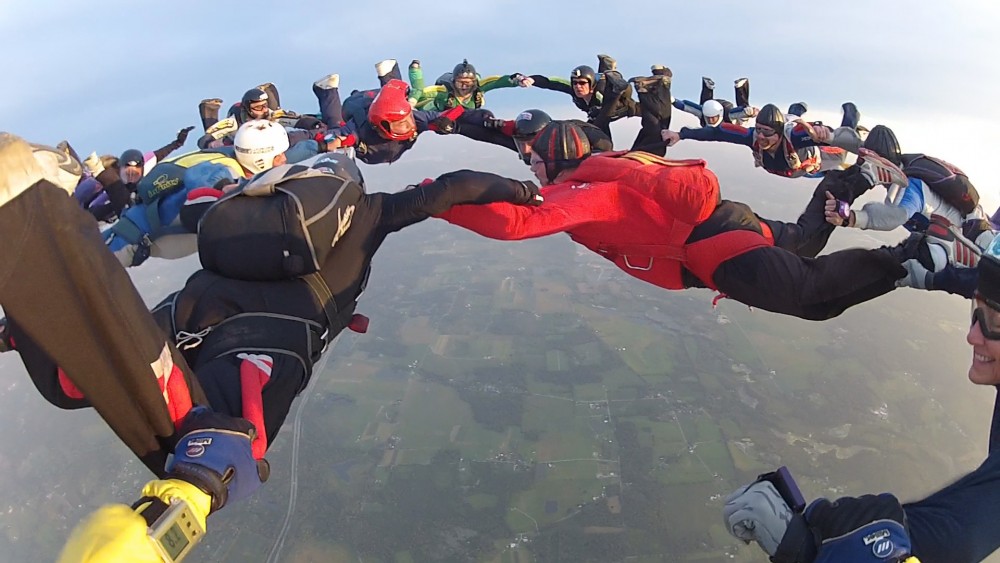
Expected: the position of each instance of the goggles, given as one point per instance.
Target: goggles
(986, 312)
(765, 131)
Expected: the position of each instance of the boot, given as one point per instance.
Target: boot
(385, 67)
(328, 82)
(798, 108)
(851, 115)
(660, 70)
(606, 63)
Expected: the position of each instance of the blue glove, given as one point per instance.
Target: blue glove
(859, 529)
(869, 528)
(214, 453)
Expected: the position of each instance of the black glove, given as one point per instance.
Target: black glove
(182, 136)
(532, 196)
(494, 123)
(443, 125)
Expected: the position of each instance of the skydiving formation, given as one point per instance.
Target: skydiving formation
(287, 232)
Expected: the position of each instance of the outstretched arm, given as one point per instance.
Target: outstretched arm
(503, 221)
(724, 133)
(551, 83)
(455, 188)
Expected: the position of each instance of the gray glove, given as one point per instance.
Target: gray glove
(757, 513)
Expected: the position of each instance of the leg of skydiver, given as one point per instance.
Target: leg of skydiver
(388, 70)
(273, 101)
(707, 90)
(477, 125)
(655, 107)
(809, 234)
(208, 109)
(279, 379)
(742, 88)
(327, 90)
(63, 289)
(815, 289)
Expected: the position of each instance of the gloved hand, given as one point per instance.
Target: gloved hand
(182, 136)
(117, 533)
(757, 513)
(858, 529)
(532, 195)
(494, 123)
(93, 164)
(838, 213)
(215, 454)
(443, 125)
(521, 80)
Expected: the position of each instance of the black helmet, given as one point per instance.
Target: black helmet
(251, 96)
(584, 71)
(527, 124)
(561, 145)
(883, 142)
(131, 157)
(771, 116)
(463, 70)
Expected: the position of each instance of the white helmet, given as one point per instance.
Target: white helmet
(711, 109)
(257, 142)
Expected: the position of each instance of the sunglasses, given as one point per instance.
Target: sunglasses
(580, 82)
(987, 313)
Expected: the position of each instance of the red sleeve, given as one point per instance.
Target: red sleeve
(506, 221)
(454, 112)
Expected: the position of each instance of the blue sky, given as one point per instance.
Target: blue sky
(135, 74)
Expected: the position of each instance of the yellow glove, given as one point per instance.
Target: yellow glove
(117, 533)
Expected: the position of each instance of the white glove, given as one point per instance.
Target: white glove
(917, 276)
(757, 513)
(94, 164)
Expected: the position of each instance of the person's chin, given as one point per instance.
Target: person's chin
(982, 373)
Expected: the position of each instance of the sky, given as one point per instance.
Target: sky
(135, 74)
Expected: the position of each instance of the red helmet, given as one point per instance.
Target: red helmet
(388, 107)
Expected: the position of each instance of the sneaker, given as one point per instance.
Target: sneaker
(385, 67)
(328, 82)
(660, 70)
(740, 82)
(414, 64)
(946, 245)
(708, 82)
(879, 171)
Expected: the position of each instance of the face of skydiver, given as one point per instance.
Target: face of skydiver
(404, 127)
(767, 137)
(538, 169)
(258, 110)
(464, 85)
(131, 174)
(581, 88)
(985, 368)
(523, 144)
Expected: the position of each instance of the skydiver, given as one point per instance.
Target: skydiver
(381, 125)
(956, 524)
(462, 87)
(105, 197)
(781, 147)
(642, 212)
(934, 188)
(711, 111)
